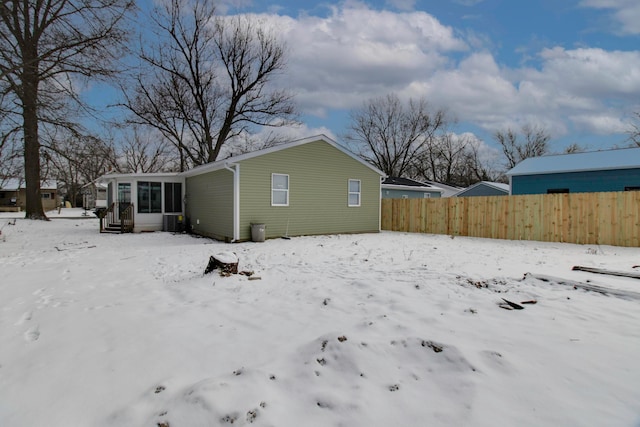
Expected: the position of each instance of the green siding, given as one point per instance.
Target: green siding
(210, 202)
(318, 192)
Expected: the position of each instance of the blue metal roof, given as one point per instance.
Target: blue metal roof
(625, 158)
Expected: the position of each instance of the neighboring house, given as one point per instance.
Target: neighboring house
(305, 187)
(405, 188)
(94, 195)
(447, 190)
(610, 170)
(13, 195)
(485, 188)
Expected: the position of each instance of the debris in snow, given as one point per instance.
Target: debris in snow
(620, 293)
(252, 415)
(511, 304)
(255, 278)
(342, 338)
(227, 262)
(159, 389)
(435, 347)
(394, 387)
(531, 301)
(608, 272)
(77, 247)
(229, 418)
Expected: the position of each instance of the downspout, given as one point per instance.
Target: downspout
(235, 169)
(382, 178)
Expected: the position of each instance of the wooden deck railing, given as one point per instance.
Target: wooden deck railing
(126, 220)
(115, 217)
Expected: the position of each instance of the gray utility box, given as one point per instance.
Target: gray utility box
(257, 232)
(172, 223)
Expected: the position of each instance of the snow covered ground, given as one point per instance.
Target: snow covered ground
(386, 329)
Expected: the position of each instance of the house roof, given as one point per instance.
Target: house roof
(409, 184)
(625, 158)
(220, 164)
(13, 184)
(496, 185)
(135, 175)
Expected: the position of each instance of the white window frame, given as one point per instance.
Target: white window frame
(427, 195)
(280, 190)
(358, 193)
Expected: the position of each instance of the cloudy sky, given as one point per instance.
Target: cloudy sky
(572, 66)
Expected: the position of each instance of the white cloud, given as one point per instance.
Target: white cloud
(625, 12)
(356, 53)
(601, 124)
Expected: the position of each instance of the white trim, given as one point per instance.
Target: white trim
(210, 167)
(235, 168)
(286, 191)
(349, 192)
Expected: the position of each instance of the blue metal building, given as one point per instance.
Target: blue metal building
(610, 170)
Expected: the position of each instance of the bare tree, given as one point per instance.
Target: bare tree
(532, 142)
(43, 44)
(452, 159)
(392, 135)
(207, 79)
(9, 144)
(145, 153)
(634, 130)
(75, 160)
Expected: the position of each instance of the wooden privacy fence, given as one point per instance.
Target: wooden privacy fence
(611, 218)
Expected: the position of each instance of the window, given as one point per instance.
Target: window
(631, 188)
(279, 189)
(172, 197)
(149, 197)
(45, 195)
(354, 192)
(427, 195)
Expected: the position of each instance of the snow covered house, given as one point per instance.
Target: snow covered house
(596, 171)
(13, 195)
(304, 187)
(485, 188)
(405, 188)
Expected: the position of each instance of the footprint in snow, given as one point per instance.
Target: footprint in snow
(26, 316)
(32, 334)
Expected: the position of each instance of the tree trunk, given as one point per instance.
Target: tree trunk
(34, 208)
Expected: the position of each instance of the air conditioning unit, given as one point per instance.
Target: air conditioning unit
(172, 223)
